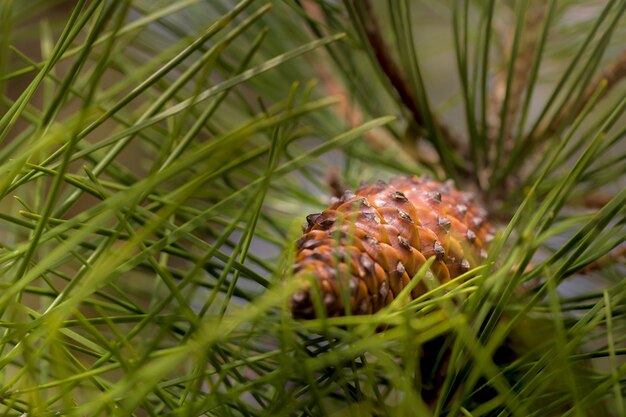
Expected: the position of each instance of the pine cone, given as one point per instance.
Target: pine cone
(370, 244)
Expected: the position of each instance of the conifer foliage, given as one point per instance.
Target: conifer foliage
(158, 158)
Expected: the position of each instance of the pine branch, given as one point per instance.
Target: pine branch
(395, 77)
(521, 71)
(351, 111)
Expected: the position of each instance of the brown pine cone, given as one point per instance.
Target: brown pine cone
(370, 244)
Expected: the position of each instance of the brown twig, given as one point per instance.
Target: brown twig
(524, 61)
(334, 183)
(521, 73)
(612, 74)
(617, 255)
(388, 65)
(378, 139)
(597, 200)
(396, 79)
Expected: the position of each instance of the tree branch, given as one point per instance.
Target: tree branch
(397, 81)
(521, 72)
